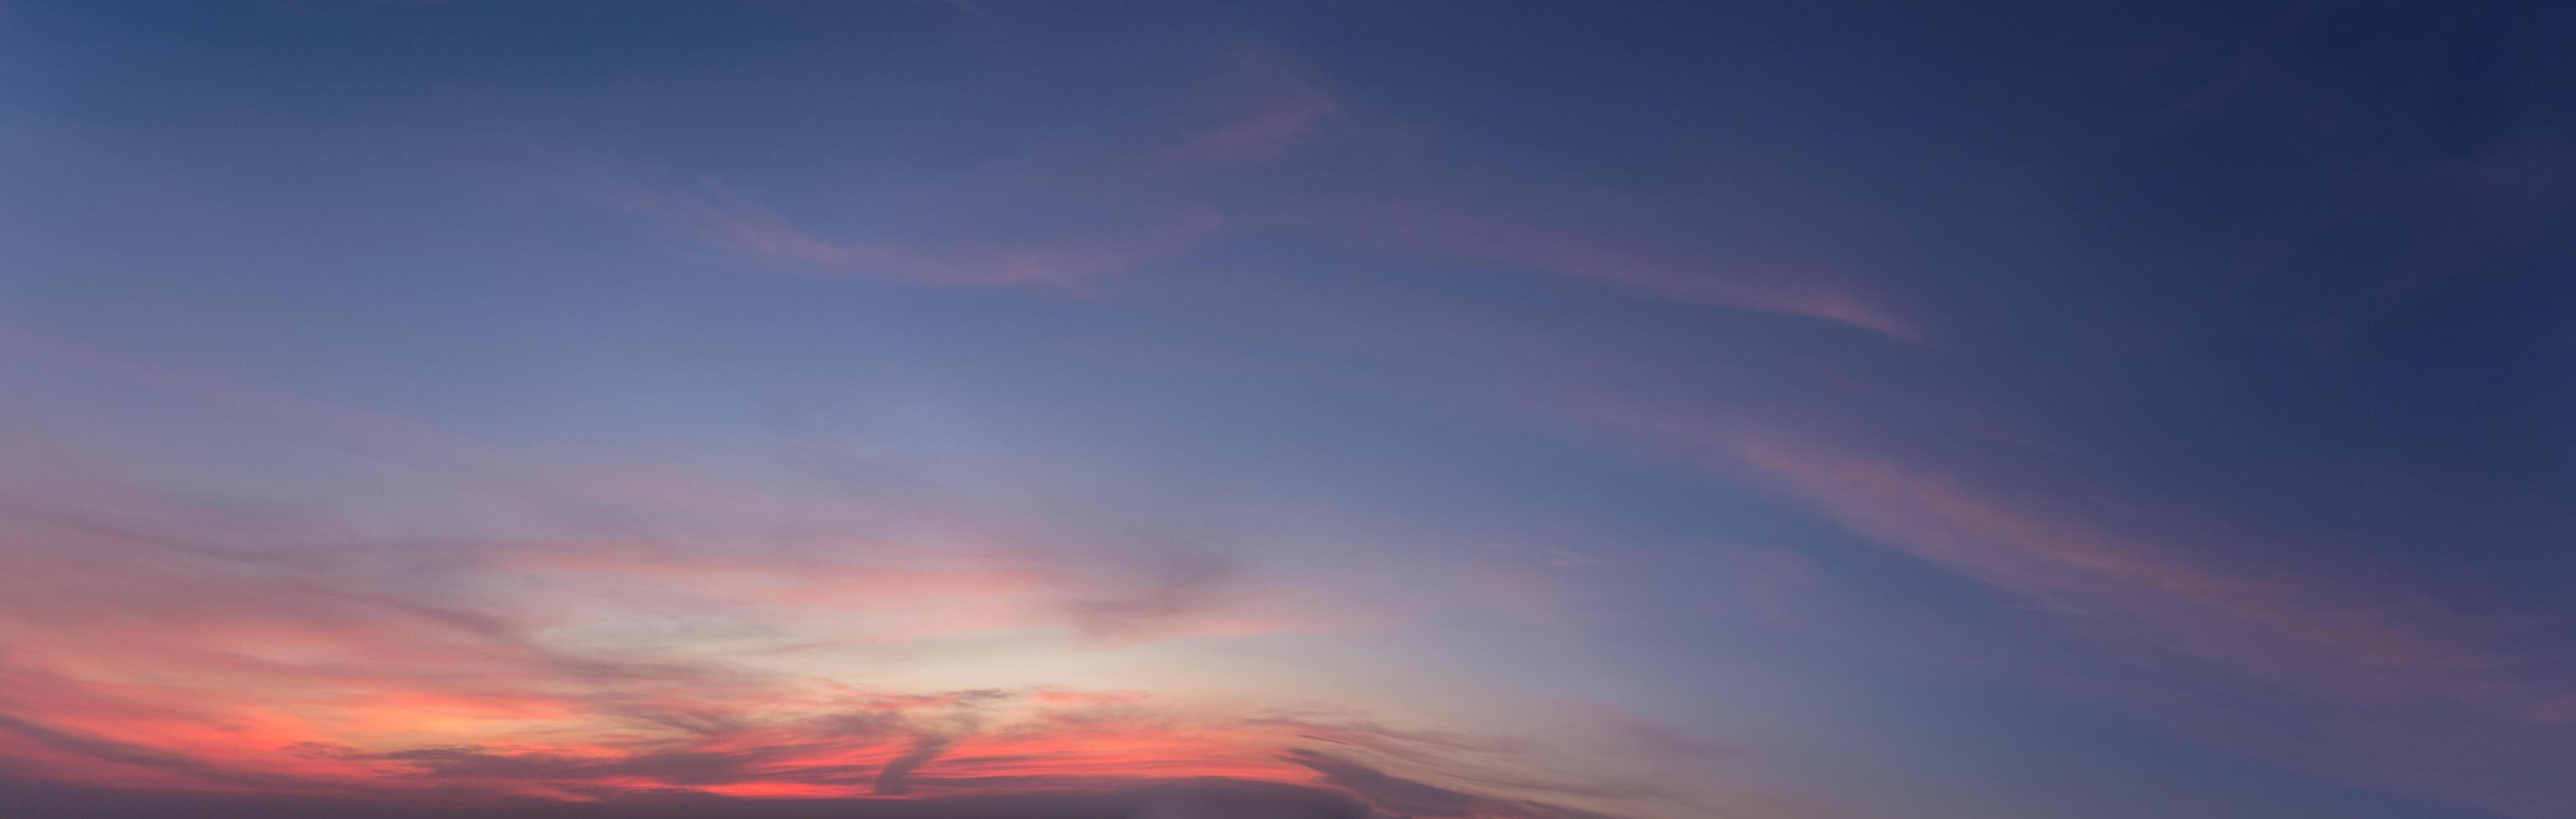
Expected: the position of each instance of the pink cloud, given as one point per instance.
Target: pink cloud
(723, 218)
(1282, 114)
(2154, 570)
(2184, 604)
(572, 667)
(2089, 567)
(136, 662)
(1578, 254)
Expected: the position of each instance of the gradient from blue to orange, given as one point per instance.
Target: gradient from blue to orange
(1217, 409)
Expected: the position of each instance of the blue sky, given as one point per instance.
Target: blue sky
(1483, 410)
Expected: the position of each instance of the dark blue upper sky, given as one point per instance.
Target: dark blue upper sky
(1426, 409)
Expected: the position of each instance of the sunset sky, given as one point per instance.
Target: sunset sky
(1199, 410)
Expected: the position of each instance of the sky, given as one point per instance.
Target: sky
(1179, 410)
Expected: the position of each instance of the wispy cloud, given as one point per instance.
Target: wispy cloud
(2091, 553)
(719, 216)
(2192, 601)
(1406, 797)
(1576, 253)
(1273, 111)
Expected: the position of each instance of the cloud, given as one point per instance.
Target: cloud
(891, 776)
(717, 215)
(135, 662)
(1177, 799)
(1577, 759)
(1559, 250)
(83, 747)
(2076, 547)
(1069, 697)
(612, 541)
(1275, 111)
(131, 652)
(1263, 107)
(1171, 587)
(2190, 618)
(167, 642)
(2116, 569)
(1405, 797)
